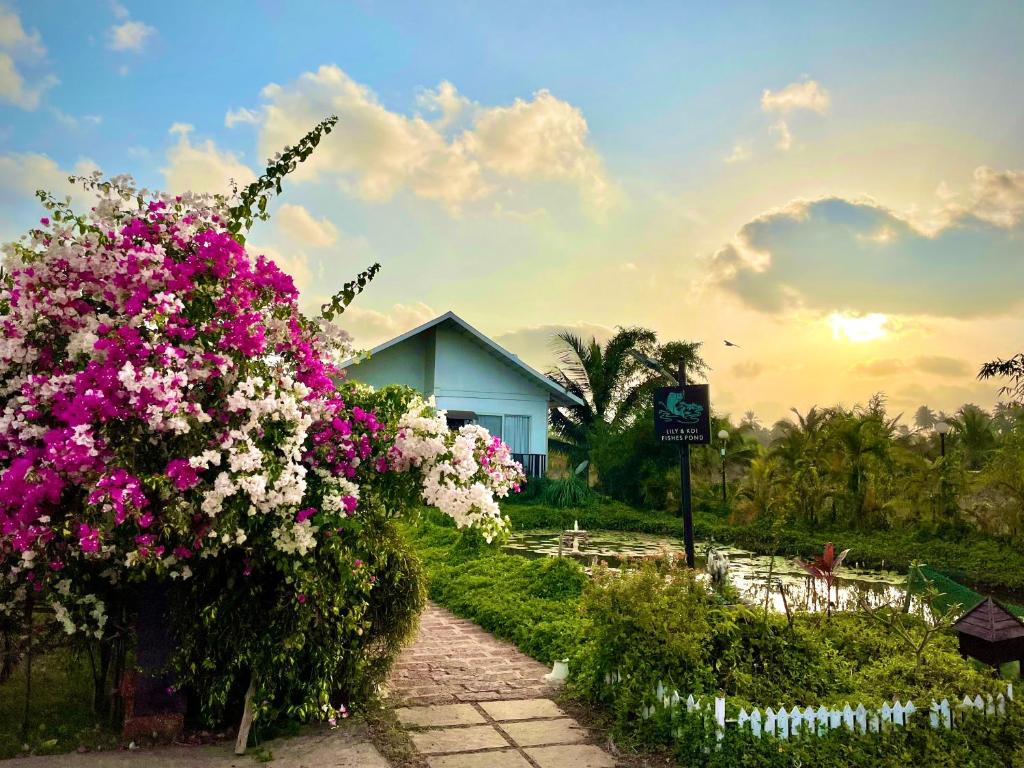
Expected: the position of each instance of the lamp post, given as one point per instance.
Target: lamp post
(723, 435)
(942, 427)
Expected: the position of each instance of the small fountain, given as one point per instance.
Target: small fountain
(717, 565)
(572, 538)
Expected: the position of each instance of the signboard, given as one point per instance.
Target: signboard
(682, 414)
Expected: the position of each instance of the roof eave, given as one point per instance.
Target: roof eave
(557, 395)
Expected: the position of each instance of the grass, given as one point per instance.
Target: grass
(61, 718)
(529, 602)
(983, 562)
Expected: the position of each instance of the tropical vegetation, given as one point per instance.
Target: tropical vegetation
(611, 380)
(861, 467)
(654, 622)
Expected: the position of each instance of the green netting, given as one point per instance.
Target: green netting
(954, 592)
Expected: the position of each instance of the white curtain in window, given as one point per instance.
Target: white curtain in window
(517, 433)
(491, 423)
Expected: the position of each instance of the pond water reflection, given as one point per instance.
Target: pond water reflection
(747, 572)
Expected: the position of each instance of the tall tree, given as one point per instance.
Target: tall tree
(604, 377)
(862, 438)
(973, 429)
(1012, 369)
(763, 493)
(799, 449)
(610, 381)
(924, 417)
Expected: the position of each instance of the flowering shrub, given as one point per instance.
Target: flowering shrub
(461, 476)
(169, 416)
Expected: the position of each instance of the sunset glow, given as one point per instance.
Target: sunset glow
(745, 178)
(858, 329)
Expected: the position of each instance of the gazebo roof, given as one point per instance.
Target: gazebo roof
(991, 622)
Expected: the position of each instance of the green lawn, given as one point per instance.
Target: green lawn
(61, 715)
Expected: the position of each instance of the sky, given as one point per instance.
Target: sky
(837, 188)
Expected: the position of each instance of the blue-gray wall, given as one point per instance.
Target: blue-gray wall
(463, 376)
(408, 363)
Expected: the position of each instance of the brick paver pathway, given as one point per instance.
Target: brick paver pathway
(473, 701)
(453, 660)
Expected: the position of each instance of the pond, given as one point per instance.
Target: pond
(747, 572)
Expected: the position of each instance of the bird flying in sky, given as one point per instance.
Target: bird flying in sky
(730, 344)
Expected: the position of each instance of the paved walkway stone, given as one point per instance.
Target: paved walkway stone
(522, 709)
(466, 739)
(539, 733)
(579, 756)
(505, 758)
(473, 701)
(439, 715)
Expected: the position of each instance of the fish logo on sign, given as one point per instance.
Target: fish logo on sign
(676, 409)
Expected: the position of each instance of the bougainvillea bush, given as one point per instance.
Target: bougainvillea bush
(170, 418)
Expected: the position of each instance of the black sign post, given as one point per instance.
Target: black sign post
(682, 415)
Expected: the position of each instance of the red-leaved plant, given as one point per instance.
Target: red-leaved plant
(824, 568)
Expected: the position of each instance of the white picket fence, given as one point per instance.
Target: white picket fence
(783, 723)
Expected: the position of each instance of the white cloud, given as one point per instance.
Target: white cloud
(544, 138)
(369, 327)
(807, 95)
(297, 222)
(21, 174)
(14, 38)
(119, 11)
(13, 88)
(201, 167)
(446, 101)
(375, 153)
(858, 257)
(16, 44)
(130, 36)
(996, 197)
(740, 152)
(242, 115)
(71, 121)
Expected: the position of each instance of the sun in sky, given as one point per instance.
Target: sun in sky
(759, 172)
(858, 329)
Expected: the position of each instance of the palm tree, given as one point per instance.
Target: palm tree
(607, 379)
(798, 447)
(973, 427)
(925, 418)
(762, 495)
(861, 438)
(610, 381)
(751, 421)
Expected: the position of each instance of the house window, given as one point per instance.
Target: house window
(491, 423)
(517, 433)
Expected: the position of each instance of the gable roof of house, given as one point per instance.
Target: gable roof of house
(558, 394)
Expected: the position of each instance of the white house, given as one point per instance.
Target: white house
(474, 380)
